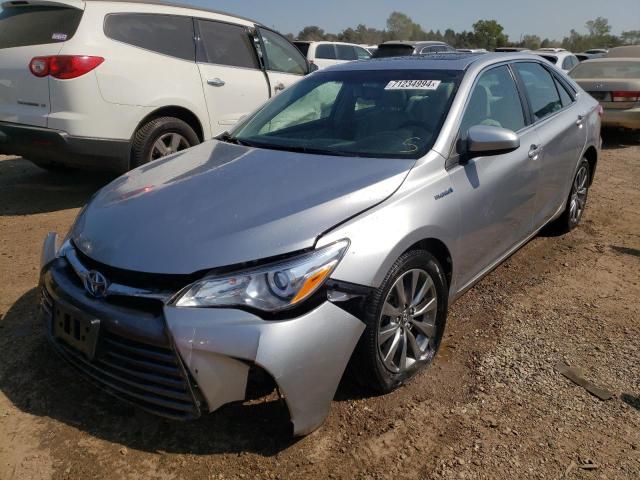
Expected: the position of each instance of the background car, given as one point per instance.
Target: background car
(113, 85)
(615, 83)
(326, 54)
(589, 56)
(511, 50)
(595, 51)
(405, 48)
(471, 50)
(370, 48)
(628, 51)
(558, 56)
(319, 233)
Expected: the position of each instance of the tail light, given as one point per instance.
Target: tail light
(625, 96)
(64, 67)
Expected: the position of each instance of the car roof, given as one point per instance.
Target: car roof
(456, 61)
(186, 6)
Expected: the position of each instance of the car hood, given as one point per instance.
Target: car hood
(219, 205)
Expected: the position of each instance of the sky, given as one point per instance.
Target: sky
(546, 18)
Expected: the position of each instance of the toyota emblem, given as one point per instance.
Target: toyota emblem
(96, 284)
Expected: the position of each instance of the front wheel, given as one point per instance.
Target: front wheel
(577, 201)
(405, 321)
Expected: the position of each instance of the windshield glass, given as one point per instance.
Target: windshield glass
(390, 114)
(607, 69)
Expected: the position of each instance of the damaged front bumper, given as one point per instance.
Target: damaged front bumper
(177, 362)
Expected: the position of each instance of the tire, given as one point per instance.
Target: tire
(148, 140)
(577, 199)
(368, 366)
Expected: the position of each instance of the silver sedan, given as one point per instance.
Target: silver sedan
(331, 228)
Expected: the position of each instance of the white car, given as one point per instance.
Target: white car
(113, 85)
(560, 57)
(327, 54)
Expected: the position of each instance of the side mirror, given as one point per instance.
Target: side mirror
(488, 140)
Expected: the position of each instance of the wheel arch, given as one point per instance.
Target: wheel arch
(175, 111)
(440, 251)
(591, 154)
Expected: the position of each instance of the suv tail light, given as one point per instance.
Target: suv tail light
(64, 67)
(625, 96)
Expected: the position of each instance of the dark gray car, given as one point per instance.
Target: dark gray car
(335, 225)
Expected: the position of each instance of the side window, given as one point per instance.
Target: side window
(326, 51)
(346, 52)
(226, 44)
(565, 97)
(427, 50)
(315, 105)
(167, 34)
(281, 55)
(541, 89)
(567, 64)
(494, 101)
(361, 53)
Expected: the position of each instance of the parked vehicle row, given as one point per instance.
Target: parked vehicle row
(114, 85)
(333, 226)
(326, 54)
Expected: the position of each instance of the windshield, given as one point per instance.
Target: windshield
(389, 114)
(607, 69)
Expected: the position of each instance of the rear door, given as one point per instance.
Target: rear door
(233, 82)
(284, 63)
(26, 31)
(559, 125)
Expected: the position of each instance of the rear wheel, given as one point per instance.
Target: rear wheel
(405, 321)
(577, 201)
(161, 137)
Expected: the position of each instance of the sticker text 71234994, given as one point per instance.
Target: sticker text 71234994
(413, 85)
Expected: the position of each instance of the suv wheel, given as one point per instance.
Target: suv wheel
(161, 137)
(405, 321)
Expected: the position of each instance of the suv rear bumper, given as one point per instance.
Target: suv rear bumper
(55, 147)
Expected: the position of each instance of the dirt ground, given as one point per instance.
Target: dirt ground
(493, 405)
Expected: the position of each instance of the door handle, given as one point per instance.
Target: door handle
(580, 120)
(279, 87)
(216, 82)
(534, 152)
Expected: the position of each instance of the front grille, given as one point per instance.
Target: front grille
(151, 377)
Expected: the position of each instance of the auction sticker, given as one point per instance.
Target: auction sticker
(59, 36)
(413, 85)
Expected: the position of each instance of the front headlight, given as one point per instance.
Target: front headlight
(270, 288)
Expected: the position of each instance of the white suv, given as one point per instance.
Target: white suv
(113, 85)
(326, 54)
(561, 58)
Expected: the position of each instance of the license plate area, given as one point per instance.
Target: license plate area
(76, 329)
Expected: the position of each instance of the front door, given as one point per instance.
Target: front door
(497, 193)
(233, 82)
(284, 63)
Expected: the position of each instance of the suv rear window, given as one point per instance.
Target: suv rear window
(167, 34)
(24, 26)
(393, 51)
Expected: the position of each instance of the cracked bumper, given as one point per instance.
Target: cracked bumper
(306, 356)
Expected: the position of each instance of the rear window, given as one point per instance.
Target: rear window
(166, 34)
(607, 69)
(303, 47)
(550, 58)
(24, 26)
(393, 51)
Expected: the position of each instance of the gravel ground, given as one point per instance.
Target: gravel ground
(493, 405)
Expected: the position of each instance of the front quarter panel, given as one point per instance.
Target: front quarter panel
(425, 207)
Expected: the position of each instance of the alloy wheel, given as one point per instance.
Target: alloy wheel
(407, 323)
(167, 144)
(579, 194)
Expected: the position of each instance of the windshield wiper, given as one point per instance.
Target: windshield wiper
(301, 149)
(228, 138)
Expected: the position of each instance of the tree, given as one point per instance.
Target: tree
(598, 27)
(630, 37)
(532, 42)
(450, 36)
(488, 34)
(312, 33)
(401, 27)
